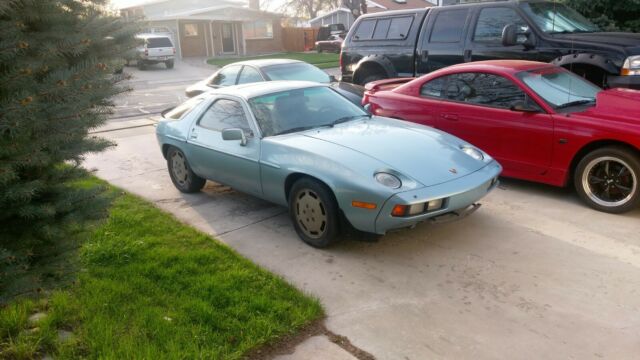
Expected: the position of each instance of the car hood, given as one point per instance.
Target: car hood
(603, 38)
(619, 105)
(426, 155)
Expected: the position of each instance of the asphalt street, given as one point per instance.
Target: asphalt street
(533, 274)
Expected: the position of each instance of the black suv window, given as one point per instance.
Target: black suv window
(483, 89)
(365, 29)
(448, 26)
(492, 21)
(394, 28)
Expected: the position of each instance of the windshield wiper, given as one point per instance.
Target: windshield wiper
(575, 103)
(295, 129)
(347, 118)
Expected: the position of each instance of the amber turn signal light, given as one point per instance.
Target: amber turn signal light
(363, 205)
(399, 210)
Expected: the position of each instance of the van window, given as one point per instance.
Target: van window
(365, 30)
(448, 26)
(492, 21)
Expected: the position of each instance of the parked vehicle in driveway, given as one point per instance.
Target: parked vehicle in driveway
(333, 44)
(415, 42)
(244, 72)
(303, 145)
(155, 49)
(540, 121)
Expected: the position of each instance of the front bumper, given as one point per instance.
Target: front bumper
(629, 81)
(461, 196)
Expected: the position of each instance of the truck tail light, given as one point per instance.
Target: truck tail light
(146, 52)
(174, 51)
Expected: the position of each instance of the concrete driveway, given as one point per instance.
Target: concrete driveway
(534, 274)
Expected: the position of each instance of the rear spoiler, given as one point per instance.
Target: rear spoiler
(386, 84)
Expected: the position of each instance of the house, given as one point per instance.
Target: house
(211, 28)
(344, 16)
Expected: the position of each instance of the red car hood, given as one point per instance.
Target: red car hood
(622, 105)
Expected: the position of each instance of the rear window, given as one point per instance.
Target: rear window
(392, 28)
(159, 42)
(448, 26)
(296, 71)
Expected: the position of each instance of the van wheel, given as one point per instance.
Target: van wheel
(314, 212)
(169, 64)
(607, 179)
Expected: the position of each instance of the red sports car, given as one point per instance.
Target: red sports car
(540, 121)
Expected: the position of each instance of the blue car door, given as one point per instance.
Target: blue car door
(226, 161)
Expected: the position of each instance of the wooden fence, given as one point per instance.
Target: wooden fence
(299, 39)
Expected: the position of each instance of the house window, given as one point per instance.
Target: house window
(259, 29)
(190, 29)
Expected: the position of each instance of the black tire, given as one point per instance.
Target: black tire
(314, 213)
(607, 179)
(183, 178)
(369, 78)
(320, 50)
(169, 64)
(141, 65)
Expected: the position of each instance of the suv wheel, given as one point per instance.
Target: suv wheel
(607, 179)
(370, 77)
(169, 64)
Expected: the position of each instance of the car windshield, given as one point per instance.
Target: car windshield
(559, 87)
(302, 109)
(296, 71)
(554, 18)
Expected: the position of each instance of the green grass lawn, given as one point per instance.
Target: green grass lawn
(150, 287)
(322, 60)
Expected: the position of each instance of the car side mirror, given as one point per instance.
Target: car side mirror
(510, 35)
(522, 106)
(234, 134)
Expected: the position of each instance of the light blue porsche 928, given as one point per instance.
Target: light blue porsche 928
(304, 146)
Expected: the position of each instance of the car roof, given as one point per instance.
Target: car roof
(251, 90)
(266, 62)
(149, 36)
(508, 66)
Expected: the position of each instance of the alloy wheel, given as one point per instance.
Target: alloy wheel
(179, 168)
(609, 181)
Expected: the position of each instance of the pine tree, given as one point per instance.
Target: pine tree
(57, 64)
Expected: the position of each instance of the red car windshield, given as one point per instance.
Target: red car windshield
(559, 87)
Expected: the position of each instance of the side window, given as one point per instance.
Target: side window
(226, 76)
(399, 28)
(492, 21)
(484, 89)
(434, 88)
(382, 28)
(448, 26)
(224, 114)
(365, 30)
(249, 75)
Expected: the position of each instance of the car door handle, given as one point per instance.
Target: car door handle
(450, 117)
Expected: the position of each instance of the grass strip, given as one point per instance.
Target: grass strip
(151, 287)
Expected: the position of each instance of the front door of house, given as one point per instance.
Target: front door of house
(228, 38)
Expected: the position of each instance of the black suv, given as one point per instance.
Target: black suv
(410, 43)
